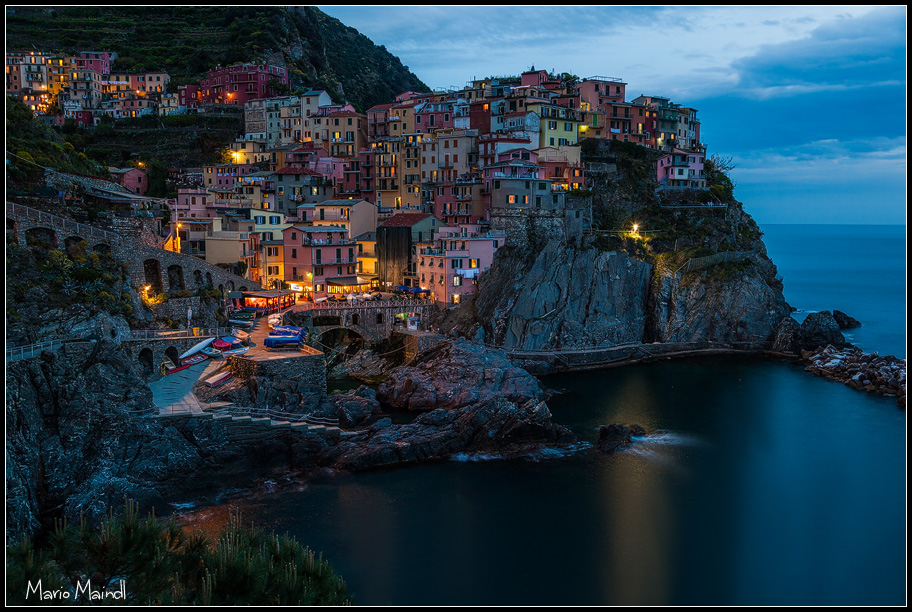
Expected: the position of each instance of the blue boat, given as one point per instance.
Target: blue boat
(281, 341)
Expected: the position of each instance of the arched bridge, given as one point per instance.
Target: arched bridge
(372, 320)
(161, 270)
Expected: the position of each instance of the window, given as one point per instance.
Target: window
(259, 220)
(511, 199)
(457, 281)
(294, 253)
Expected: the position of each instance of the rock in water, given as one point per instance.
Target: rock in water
(787, 338)
(457, 375)
(845, 321)
(613, 437)
(820, 329)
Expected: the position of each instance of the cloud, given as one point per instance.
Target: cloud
(844, 54)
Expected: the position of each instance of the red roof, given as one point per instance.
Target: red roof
(405, 219)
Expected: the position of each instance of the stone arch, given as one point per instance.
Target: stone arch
(208, 279)
(355, 318)
(176, 277)
(198, 278)
(230, 285)
(102, 248)
(41, 237)
(327, 320)
(153, 273)
(146, 361)
(379, 318)
(172, 355)
(221, 289)
(242, 288)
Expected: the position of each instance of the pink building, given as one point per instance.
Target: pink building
(190, 204)
(433, 116)
(598, 90)
(319, 260)
(132, 179)
(240, 83)
(99, 61)
(681, 169)
(449, 266)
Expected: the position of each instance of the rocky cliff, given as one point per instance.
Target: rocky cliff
(584, 297)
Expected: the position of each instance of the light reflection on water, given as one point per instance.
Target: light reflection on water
(760, 484)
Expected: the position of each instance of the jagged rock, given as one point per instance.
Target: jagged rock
(820, 329)
(494, 424)
(354, 408)
(788, 337)
(612, 437)
(845, 321)
(456, 375)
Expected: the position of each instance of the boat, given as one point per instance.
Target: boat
(241, 322)
(197, 347)
(283, 332)
(218, 379)
(241, 335)
(237, 351)
(193, 359)
(211, 352)
(281, 341)
(221, 344)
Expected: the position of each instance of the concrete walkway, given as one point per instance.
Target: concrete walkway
(173, 394)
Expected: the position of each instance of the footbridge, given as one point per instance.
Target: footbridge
(161, 270)
(371, 319)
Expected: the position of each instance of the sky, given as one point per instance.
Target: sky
(808, 102)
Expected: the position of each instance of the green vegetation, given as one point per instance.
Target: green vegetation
(187, 41)
(165, 565)
(46, 277)
(33, 143)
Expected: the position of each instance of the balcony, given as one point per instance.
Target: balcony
(336, 261)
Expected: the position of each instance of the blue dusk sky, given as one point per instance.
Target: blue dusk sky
(809, 102)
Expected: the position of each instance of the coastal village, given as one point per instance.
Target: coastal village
(414, 196)
(326, 288)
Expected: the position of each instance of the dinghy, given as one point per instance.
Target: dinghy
(197, 347)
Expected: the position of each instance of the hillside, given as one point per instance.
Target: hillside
(319, 51)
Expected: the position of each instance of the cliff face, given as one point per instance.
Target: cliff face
(564, 298)
(576, 298)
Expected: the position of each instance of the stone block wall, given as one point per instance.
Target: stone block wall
(291, 383)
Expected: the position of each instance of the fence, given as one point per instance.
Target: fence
(362, 304)
(177, 334)
(40, 217)
(30, 350)
(698, 263)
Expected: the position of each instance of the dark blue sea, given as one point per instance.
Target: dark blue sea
(762, 484)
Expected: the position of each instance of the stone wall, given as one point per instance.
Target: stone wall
(531, 226)
(417, 341)
(290, 383)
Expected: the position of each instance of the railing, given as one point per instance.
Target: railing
(362, 304)
(337, 260)
(177, 334)
(30, 350)
(698, 263)
(59, 222)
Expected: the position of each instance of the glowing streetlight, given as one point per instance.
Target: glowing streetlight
(635, 227)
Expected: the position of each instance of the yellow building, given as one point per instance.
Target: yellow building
(558, 125)
(272, 263)
(368, 264)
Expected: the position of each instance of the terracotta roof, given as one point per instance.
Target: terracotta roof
(405, 219)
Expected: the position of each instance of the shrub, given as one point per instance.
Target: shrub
(161, 564)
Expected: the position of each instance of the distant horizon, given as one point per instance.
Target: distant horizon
(773, 85)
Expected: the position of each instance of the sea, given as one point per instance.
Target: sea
(760, 484)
